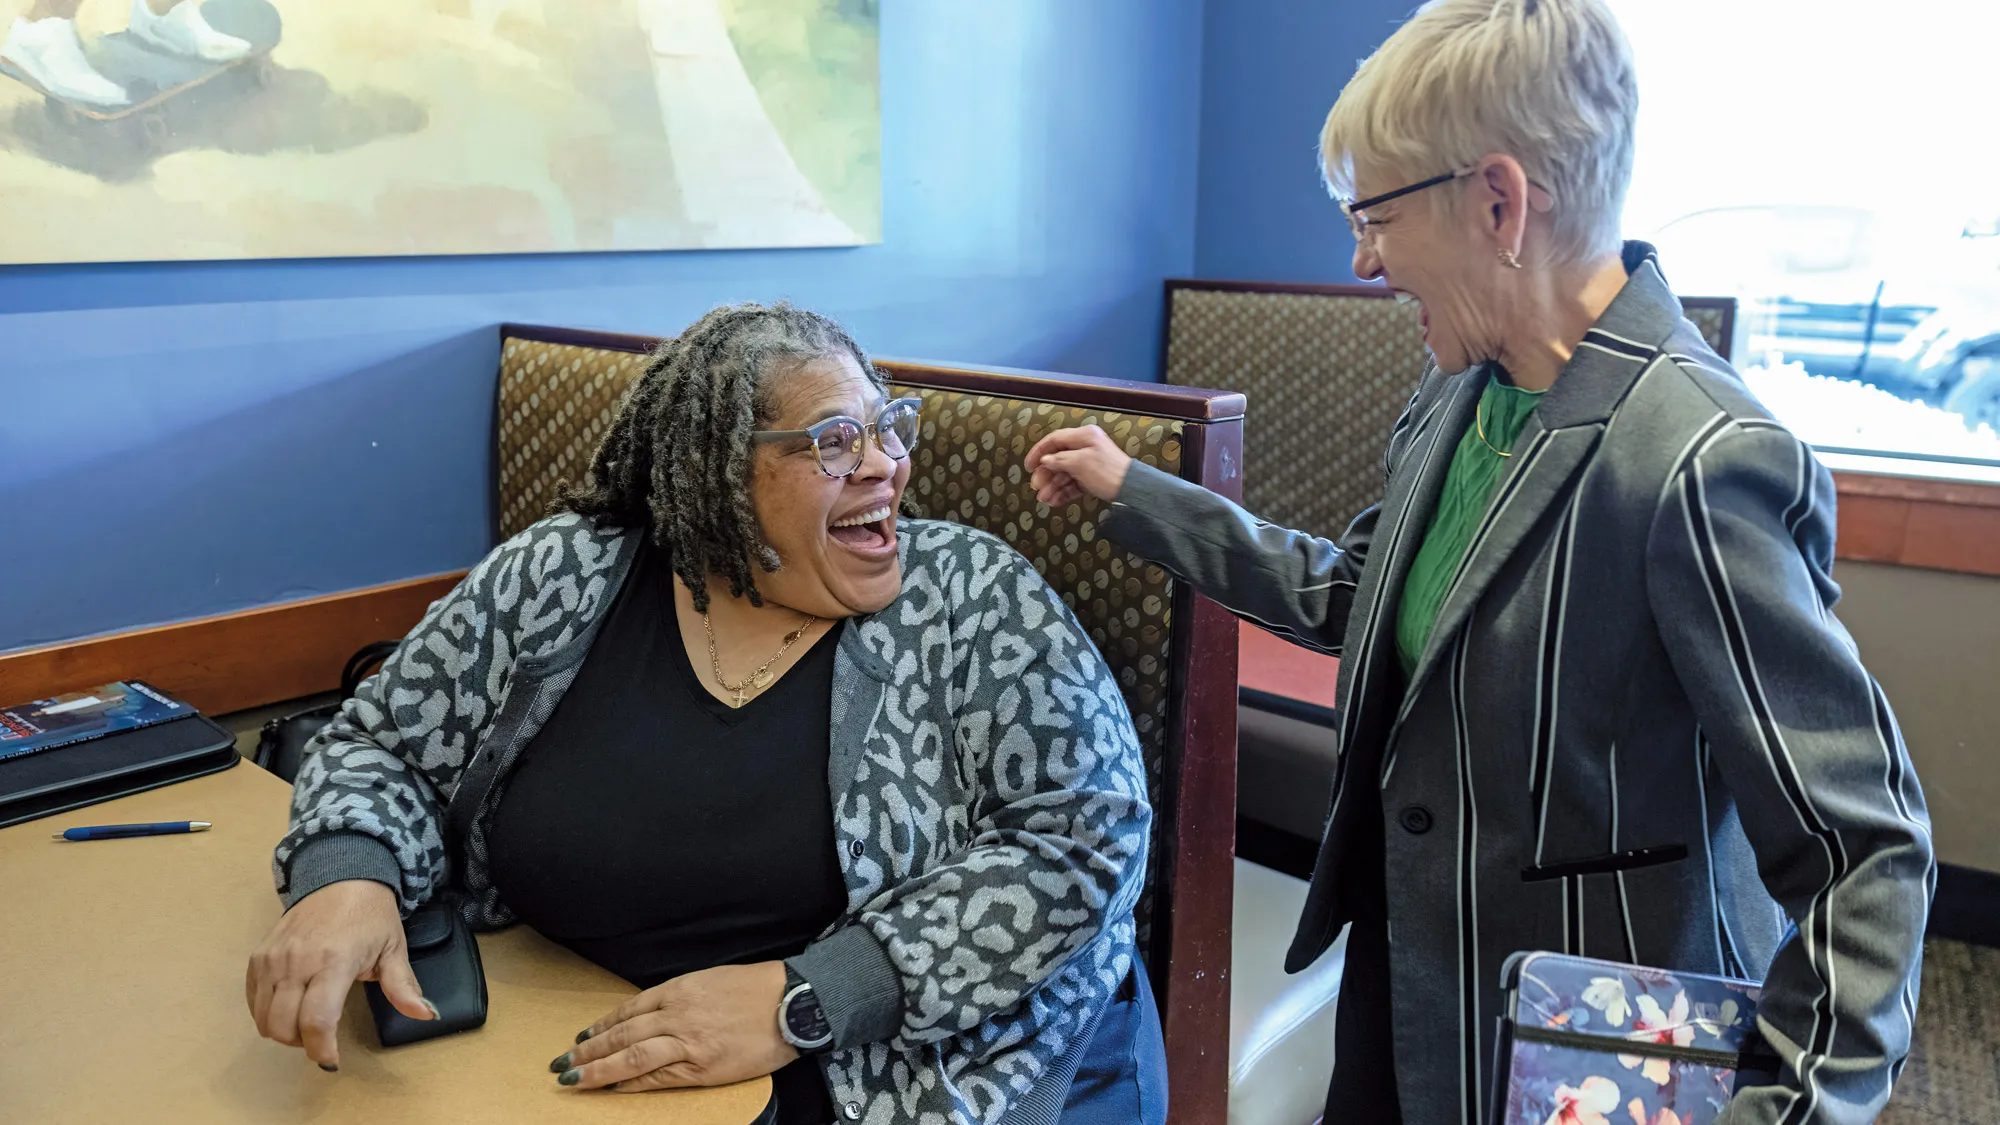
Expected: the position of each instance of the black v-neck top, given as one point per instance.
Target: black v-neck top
(655, 831)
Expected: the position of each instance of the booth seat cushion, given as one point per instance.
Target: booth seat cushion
(1280, 1026)
(1284, 771)
(1287, 745)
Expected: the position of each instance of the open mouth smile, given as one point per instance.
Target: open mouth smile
(871, 534)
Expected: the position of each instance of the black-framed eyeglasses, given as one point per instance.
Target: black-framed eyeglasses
(1353, 208)
(1360, 226)
(839, 443)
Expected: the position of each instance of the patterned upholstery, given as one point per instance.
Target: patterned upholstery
(1326, 378)
(1711, 316)
(557, 400)
(1326, 375)
(967, 468)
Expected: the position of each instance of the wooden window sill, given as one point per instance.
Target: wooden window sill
(1934, 515)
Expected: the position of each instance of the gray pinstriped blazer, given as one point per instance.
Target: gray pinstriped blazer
(1638, 651)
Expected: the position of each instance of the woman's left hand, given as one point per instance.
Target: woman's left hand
(709, 1028)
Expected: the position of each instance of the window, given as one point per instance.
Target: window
(1832, 165)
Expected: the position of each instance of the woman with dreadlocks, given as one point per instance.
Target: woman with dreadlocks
(850, 796)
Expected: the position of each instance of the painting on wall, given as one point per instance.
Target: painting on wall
(190, 129)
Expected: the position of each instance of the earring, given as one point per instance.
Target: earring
(1508, 259)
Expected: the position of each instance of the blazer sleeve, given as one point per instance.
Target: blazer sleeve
(1059, 828)
(1293, 583)
(1739, 575)
(369, 799)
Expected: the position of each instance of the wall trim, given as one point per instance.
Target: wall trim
(234, 661)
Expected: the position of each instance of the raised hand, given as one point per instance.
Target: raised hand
(1068, 464)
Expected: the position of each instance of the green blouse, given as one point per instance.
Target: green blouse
(1476, 469)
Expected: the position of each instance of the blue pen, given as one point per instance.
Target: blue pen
(115, 831)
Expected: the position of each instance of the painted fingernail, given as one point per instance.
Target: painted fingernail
(435, 1014)
(560, 1063)
(583, 1035)
(330, 1068)
(569, 1077)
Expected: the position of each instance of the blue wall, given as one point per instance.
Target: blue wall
(178, 440)
(1270, 71)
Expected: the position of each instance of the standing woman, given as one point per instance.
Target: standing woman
(1592, 614)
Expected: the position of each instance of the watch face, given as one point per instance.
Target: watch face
(806, 1020)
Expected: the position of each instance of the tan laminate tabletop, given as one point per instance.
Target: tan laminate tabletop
(121, 993)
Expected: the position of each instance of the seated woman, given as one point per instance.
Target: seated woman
(731, 729)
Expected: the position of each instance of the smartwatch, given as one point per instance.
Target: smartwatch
(801, 1020)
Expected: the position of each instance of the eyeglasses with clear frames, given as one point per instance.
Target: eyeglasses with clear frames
(838, 443)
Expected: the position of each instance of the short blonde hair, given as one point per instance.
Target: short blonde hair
(1548, 82)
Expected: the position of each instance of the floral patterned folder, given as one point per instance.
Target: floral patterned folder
(1586, 1042)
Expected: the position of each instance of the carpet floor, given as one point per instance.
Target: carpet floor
(1953, 1077)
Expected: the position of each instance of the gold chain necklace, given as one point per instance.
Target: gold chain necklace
(762, 677)
(1480, 425)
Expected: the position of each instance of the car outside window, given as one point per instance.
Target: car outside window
(1832, 168)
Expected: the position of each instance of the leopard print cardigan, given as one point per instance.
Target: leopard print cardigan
(980, 751)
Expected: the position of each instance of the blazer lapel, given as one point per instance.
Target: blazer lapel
(1545, 462)
(1411, 508)
(1558, 441)
(1406, 514)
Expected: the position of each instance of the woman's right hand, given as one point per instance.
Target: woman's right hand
(299, 976)
(1070, 463)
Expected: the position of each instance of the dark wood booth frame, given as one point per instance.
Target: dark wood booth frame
(1195, 823)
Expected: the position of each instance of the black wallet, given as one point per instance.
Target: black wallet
(446, 960)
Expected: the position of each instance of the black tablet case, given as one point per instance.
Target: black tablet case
(117, 765)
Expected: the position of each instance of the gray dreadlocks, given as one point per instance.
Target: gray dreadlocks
(677, 457)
